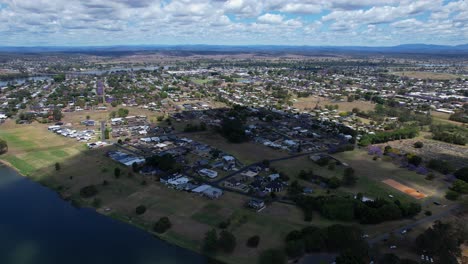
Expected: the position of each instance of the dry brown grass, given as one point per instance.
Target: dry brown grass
(247, 153)
(311, 101)
(426, 75)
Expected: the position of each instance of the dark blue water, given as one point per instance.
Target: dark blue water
(37, 227)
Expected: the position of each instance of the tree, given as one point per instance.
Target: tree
(441, 240)
(253, 241)
(57, 114)
(414, 159)
(295, 248)
(117, 172)
(348, 177)
(57, 166)
(3, 146)
(334, 182)
(226, 241)
(462, 174)
(122, 112)
(210, 242)
(88, 191)
(452, 195)
(418, 144)
(272, 256)
(135, 167)
(389, 258)
(460, 186)
(59, 78)
(349, 257)
(141, 209)
(162, 225)
(233, 130)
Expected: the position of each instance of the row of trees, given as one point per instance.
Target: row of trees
(450, 134)
(382, 137)
(350, 209)
(334, 238)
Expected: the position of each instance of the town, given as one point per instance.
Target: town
(253, 149)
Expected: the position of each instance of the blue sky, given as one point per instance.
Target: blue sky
(232, 22)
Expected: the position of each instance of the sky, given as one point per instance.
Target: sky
(232, 22)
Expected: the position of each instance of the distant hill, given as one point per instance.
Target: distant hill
(226, 49)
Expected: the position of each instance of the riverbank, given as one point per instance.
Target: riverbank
(33, 152)
(39, 227)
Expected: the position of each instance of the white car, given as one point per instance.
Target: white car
(393, 246)
(391, 196)
(404, 231)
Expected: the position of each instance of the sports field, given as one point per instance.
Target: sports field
(403, 188)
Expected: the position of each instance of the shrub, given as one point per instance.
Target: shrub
(226, 241)
(117, 172)
(418, 144)
(88, 191)
(430, 176)
(162, 225)
(57, 166)
(141, 209)
(272, 256)
(452, 195)
(210, 242)
(462, 174)
(253, 241)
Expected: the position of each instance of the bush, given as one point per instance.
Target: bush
(452, 195)
(349, 178)
(462, 174)
(460, 186)
(57, 166)
(141, 209)
(253, 241)
(428, 213)
(162, 225)
(272, 256)
(226, 241)
(430, 176)
(441, 166)
(117, 172)
(210, 242)
(224, 224)
(88, 191)
(295, 248)
(418, 144)
(97, 202)
(334, 183)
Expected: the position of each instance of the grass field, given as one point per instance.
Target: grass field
(371, 173)
(311, 101)
(33, 151)
(247, 153)
(426, 75)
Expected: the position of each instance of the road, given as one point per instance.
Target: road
(429, 219)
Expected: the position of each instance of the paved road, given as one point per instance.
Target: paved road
(447, 211)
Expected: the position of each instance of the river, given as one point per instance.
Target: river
(38, 227)
(24, 79)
